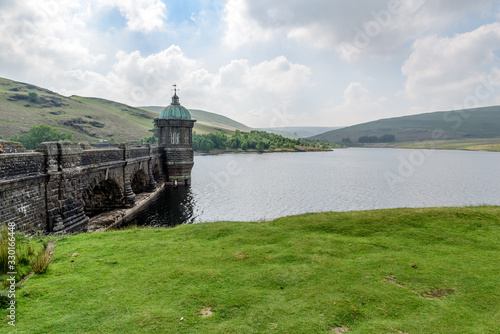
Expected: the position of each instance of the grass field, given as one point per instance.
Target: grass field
(469, 145)
(492, 145)
(432, 270)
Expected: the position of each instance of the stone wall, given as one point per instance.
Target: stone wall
(49, 190)
(179, 163)
(23, 190)
(24, 203)
(12, 146)
(137, 152)
(99, 156)
(14, 165)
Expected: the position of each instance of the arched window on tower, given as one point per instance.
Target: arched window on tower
(177, 137)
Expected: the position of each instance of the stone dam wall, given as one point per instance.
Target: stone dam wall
(56, 188)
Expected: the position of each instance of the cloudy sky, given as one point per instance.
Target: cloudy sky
(262, 62)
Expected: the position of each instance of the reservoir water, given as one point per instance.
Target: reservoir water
(253, 187)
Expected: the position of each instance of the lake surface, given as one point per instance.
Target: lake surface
(252, 187)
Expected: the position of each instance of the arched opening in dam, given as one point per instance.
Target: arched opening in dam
(157, 173)
(139, 182)
(104, 196)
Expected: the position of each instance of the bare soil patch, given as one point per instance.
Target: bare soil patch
(437, 293)
(392, 279)
(206, 311)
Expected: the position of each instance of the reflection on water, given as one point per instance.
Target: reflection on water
(253, 187)
(172, 207)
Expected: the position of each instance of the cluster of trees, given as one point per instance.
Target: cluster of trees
(374, 139)
(39, 134)
(259, 140)
(151, 140)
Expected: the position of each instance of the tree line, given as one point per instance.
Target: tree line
(374, 139)
(387, 138)
(257, 140)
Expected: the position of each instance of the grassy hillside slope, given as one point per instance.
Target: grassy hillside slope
(432, 270)
(208, 122)
(470, 123)
(88, 119)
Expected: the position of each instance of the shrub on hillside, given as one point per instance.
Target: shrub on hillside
(32, 97)
(39, 134)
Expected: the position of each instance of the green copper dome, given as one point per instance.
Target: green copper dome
(175, 110)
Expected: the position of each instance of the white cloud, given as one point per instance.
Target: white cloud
(359, 105)
(247, 92)
(444, 72)
(241, 28)
(135, 79)
(355, 29)
(276, 76)
(355, 93)
(264, 93)
(143, 16)
(41, 37)
(44, 37)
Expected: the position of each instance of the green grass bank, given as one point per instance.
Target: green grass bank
(432, 270)
(491, 145)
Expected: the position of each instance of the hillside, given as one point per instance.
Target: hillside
(208, 122)
(299, 131)
(460, 124)
(88, 119)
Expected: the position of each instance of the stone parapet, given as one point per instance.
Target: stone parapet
(10, 146)
(13, 165)
(99, 156)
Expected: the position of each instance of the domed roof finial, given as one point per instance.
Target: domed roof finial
(175, 110)
(175, 98)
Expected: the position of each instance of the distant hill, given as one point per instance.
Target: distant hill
(299, 131)
(208, 122)
(88, 119)
(459, 124)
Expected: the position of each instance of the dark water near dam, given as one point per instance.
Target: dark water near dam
(252, 187)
